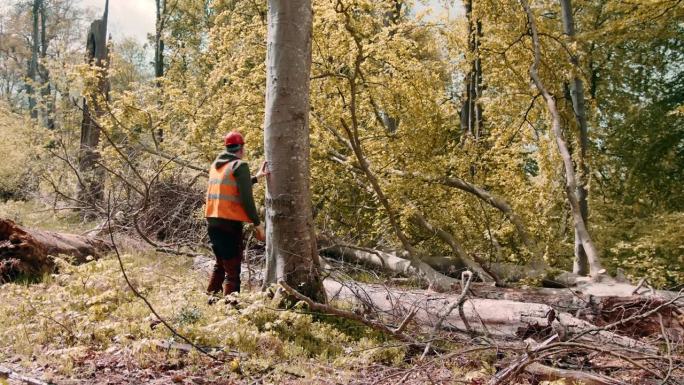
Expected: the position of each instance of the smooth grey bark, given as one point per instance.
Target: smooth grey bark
(291, 251)
(91, 191)
(593, 260)
(580, 265)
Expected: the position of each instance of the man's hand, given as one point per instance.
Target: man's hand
(263, 171)
(260, 233)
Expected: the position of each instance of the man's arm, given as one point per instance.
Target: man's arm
(244, 184)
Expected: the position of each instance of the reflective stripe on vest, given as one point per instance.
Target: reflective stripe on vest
(223, 197)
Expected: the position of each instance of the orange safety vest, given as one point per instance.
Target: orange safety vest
(223, 198)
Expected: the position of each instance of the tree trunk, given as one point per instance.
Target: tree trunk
(159, 54)
(33, 64)
(46, 89)
(25, 253)
(392, 263)
(91, 192)
(595, 268)
(291, 251)
(471, 111)
(580, 265)
(158, 41)
(516, 319)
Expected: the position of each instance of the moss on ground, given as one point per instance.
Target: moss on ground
(89, 308)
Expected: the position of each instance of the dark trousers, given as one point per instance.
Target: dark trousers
(226, 241)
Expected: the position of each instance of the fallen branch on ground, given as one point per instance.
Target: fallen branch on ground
(548, 373)
(14, 376)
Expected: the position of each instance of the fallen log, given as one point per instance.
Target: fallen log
(594, 303)
(603, 304)
(498, 318)
(28, 252)
(393, 264)
(519, 314)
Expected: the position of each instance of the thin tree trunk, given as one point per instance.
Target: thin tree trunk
(595, 268)
(471, 111)
(92, 190)
(158, 40)
(449, 239)
(291, 251)
(159, 54)
(46, 89)
(580, 265)
(33, 64)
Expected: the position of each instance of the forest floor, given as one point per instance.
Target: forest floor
(83, 325)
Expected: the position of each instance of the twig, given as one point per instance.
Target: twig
(669, 350)
(519, 364)
(465, 285)
(406, 320)
(144, 299)
(643, 282)
(608, 351)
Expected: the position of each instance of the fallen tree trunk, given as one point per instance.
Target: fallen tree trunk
(503, 318)
(441, 268)
(606, 315)
(393, 264)
(27, 252)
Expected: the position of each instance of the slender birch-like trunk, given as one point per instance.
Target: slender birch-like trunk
(595, 268)
(580, 265)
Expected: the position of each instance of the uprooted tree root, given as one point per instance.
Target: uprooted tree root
(27, 252)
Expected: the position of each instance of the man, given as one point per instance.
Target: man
(229, 204)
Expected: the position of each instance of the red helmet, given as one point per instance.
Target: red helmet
(233, 138)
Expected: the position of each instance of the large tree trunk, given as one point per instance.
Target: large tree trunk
(538, 315)
(26, 252)
(291, 251)
(581, 265)
(595, 268)
(91, 192)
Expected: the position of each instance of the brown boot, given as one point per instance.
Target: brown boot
(230, 287)
(216, 279)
